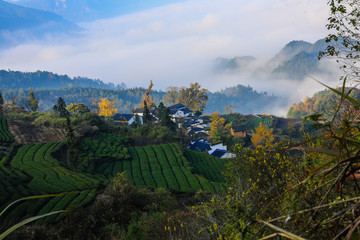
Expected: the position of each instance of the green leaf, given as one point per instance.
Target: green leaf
(29, 198)
(356, 102)
(26, 221)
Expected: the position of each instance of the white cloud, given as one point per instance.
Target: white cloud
(176, 44)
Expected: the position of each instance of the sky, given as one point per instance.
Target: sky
(176, 44)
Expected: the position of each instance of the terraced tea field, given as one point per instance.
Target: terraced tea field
(160, 166)
(206, 165)
(5, 136)
(35, 169)
(32, 170)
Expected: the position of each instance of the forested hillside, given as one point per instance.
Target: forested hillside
(47, 88)
(324, 102)
(48, 80)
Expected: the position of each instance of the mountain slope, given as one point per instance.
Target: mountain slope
(42, 79)
(304, 60)
(236, 63)
(88, 10)
(14, 17)
(288, 52)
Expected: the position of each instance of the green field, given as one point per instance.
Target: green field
(36, 169)
(33, 170)
(254, 122)
(160, 166)
(5, 135)
(206, 165)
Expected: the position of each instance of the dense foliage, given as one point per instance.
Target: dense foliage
(323, 102)
(48, 80)
(244, 99)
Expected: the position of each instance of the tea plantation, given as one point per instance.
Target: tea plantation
(38, 169)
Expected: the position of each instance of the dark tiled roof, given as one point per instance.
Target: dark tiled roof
(122, 117)
(186, 110)
(199, 134)
(177, 106)
(183, 109)
(219, 153)
(173, 111)
(200, 146)
(139, 110)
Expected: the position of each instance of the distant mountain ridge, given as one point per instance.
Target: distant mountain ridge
(239, 63)
(42, 79)
(14, 17)
(49, 86)
(294, 61)
(302, 60)
(90, 10)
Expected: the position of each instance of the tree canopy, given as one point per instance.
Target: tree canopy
(60, 108)
(107, 108)
(193, 97)
(218, 127)
(345, 20)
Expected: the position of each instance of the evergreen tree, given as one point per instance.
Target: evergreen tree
(1, 104)
(165, 118)
(161, 107)
(137, 121)
(33, 103)
(146, 114)
(60, 108)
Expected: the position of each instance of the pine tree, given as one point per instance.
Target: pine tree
(1, 104)
(146, 114)
(165, 118)
(60, 108)
(137, 121)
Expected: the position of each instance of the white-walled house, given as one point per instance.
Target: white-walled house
(179, 110)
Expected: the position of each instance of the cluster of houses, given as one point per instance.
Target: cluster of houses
(195, 127)
(177, 112)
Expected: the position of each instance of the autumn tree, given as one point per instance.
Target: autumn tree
(171, 96)
(193, 97)
(262, 136)
(147, 98)
(107, 108)
(60, 108)
(33, 102)
(218, 128)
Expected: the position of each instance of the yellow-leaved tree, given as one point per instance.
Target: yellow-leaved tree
(107, 108)
(262, 136)
(218, 128)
